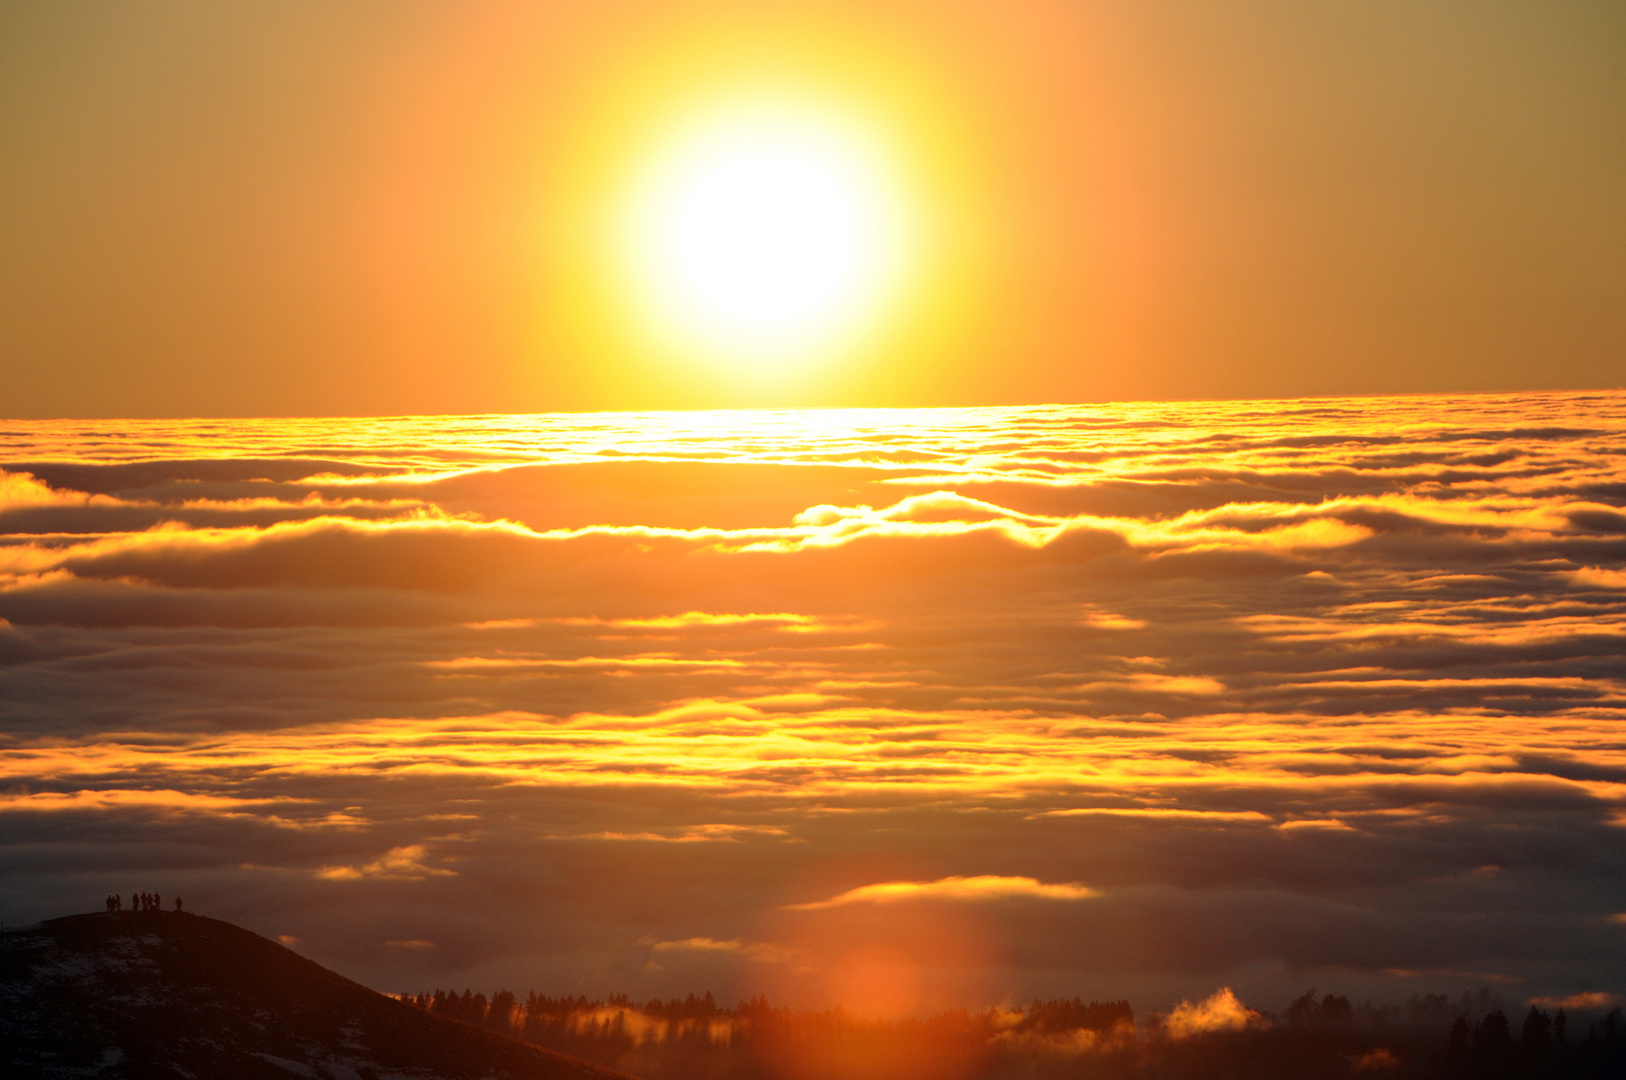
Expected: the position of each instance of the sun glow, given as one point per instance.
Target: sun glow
(765, 212)
(765, 236)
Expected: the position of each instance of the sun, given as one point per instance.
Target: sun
(765, 235)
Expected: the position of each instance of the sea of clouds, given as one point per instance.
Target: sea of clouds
(969, 705)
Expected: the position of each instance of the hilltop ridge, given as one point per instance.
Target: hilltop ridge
(135, 995)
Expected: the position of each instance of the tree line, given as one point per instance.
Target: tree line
(1326, 1036)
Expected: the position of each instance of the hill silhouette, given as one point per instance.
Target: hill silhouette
(161, 994)
(155, 995)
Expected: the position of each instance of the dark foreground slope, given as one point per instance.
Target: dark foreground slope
(159, 994)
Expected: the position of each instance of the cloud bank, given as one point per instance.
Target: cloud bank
(1310, 693)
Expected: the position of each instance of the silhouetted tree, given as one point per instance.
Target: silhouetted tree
(1377, 1015)
(1538, 1028)
(500, 1013)
(1428, 1008)
(1491, 1036)
(1336, 1010)
(1058, 1016)
(1303, 1009)
(1457, 1048)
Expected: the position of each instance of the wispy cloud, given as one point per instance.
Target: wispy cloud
(1586, 999)
(162, 800)
(980, 888)
(407, 862)
(693, 834)
(765, 952)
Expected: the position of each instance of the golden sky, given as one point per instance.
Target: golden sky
(386, 208)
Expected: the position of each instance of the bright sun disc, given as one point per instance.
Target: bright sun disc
(765, 234)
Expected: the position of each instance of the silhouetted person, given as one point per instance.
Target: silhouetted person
(157, 902)
(135, 902)
(177, 903)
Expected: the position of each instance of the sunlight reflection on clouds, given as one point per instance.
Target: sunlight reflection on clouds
(1232, 668)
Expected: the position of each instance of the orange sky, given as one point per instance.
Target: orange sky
(376, 208)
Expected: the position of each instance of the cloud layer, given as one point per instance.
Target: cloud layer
(1311, 692)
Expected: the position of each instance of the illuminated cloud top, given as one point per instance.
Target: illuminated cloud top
(1132, 700)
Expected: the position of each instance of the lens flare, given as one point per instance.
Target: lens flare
(876, 980)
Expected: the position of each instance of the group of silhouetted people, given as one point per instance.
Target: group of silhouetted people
(139, 902)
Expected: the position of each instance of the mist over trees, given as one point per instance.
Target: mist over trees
(1430, 1037)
